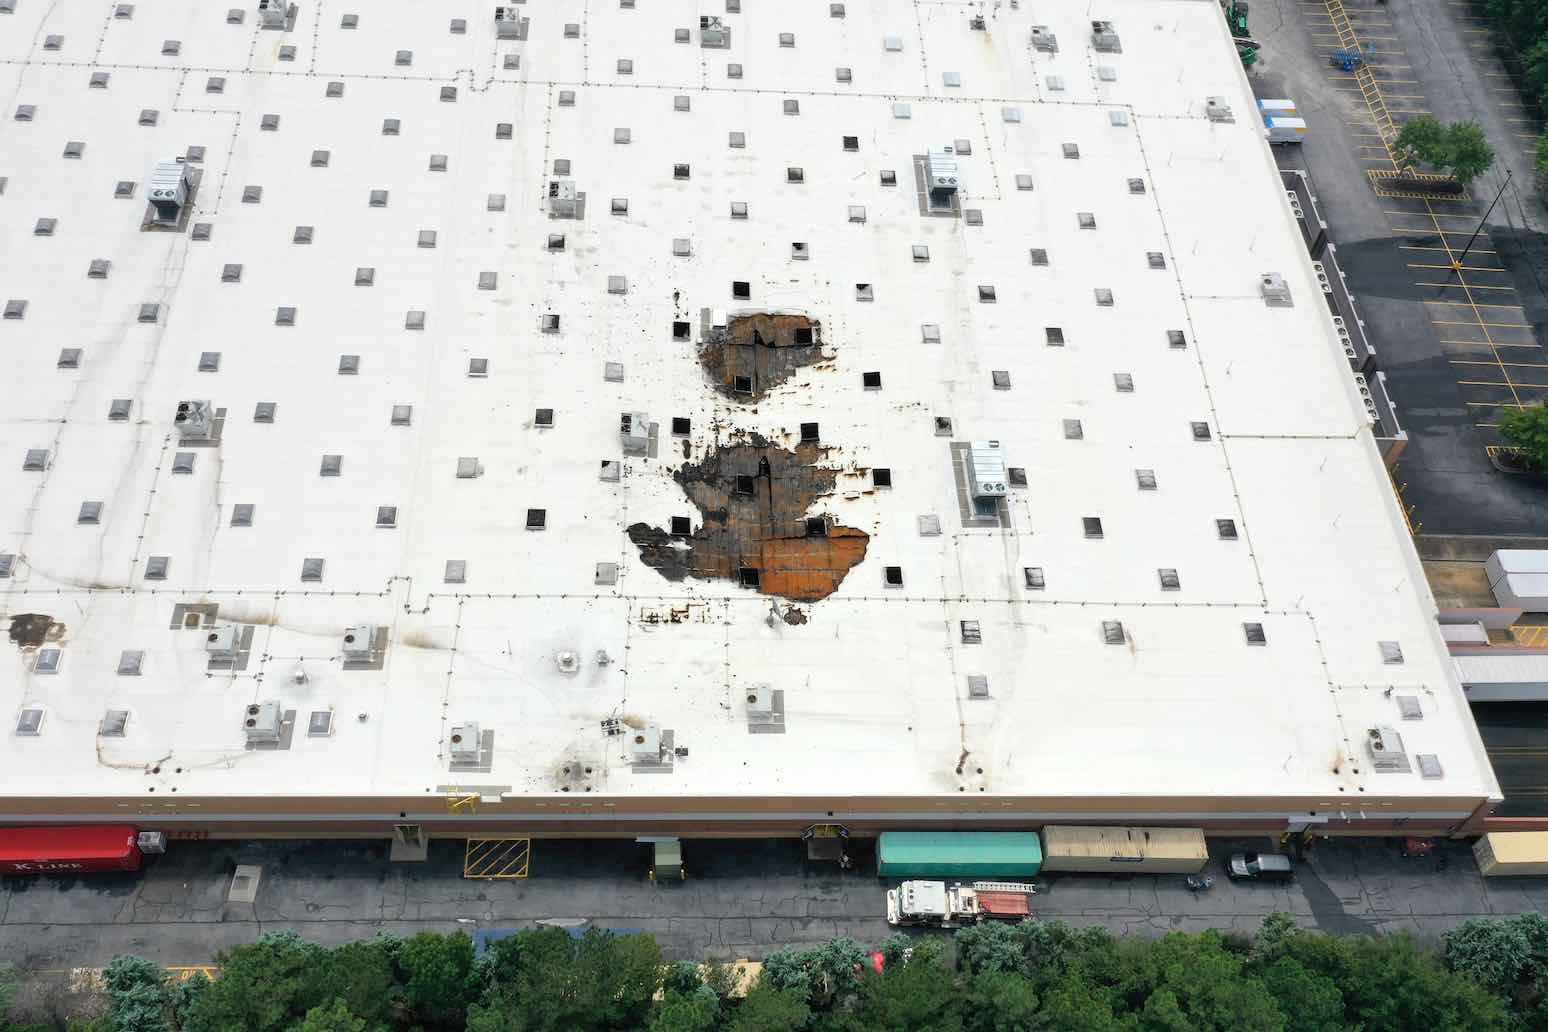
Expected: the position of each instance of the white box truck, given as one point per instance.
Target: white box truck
(1282, 131)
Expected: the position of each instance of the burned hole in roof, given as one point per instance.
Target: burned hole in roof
(764, 529)
(757, 351)
(30, 630)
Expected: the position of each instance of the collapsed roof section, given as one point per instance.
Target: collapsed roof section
(751, 353)
(753, 528)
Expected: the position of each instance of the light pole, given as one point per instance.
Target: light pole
(1456, 263)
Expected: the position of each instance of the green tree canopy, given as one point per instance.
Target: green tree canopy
(1527, 429)
(1462, 148)
(332, 1017)
(438, 983)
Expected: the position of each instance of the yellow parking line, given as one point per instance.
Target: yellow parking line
(1469, 286)
(1513, 365)
(1469, 304)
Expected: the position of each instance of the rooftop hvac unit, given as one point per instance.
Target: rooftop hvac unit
(1322, 277)
(712, 33)
(634, 428)
(1218, 110)
(986, 469)
(1276, 292)
(507, 22)
(272, 13)
(760, 701)
(1386, 748)
(1364, 388)
(1044, 39)
(1344, 338)
(463, 743)
(194, 421)
(645, 744)
(1103, 37)
(1295, 203)
(167, 189)
(562, 198)
(358, 642)
(943, 174)
(221, 642)
(261, 722)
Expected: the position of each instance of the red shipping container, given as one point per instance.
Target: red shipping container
(69, 849)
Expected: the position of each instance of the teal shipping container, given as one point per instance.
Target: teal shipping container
(958, 854)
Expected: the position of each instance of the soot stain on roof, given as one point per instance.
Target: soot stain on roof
(758, 351)
(753, 498)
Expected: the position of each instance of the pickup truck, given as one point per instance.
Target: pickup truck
(940, 905)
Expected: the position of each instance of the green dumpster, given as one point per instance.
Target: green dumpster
(958, 854)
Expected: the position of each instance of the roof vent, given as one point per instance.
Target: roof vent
(1218, 110)
(634, 428)
(261, 722)
(1322, 277)
(1276, 292)
(645, 745)
(194, 421)
(463, 743)
(359, 642)
(713, 33)
(1044, 39)
(943, 175)
(167, 190)
(507, 20)
(564, 201)
(221, 642)
(1363, 386)
(760, 702)
(986, 469)
(1103, 38)
(1386, 748)
(273, 13)
(567, 660)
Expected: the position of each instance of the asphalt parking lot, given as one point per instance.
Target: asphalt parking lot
(1457, 346)
(741, 898)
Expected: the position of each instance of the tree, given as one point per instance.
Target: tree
(266, 986)
(920, 994)
(767, 1009)
(438, 970)
(331, 1017)
(1468, 153)
(1492, 953)
(1540, 165)
(140, 994)
(681, 978)
(1423, 138)
(546, 981)
(1000, 1001)
(1527, 429)
(1460, 147)
(698, 1011)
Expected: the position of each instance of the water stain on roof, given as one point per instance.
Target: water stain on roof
(755, 529)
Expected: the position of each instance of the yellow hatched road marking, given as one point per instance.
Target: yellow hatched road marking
(497, 858)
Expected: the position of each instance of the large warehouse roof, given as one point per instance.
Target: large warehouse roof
(410, 341)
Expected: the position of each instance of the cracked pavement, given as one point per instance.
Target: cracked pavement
(741, 898)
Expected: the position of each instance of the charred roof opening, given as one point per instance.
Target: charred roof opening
(757, 351)
(794, 555)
